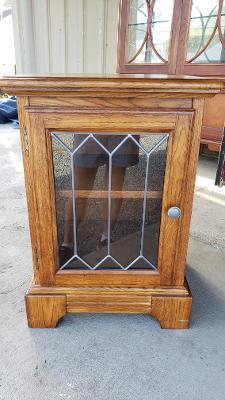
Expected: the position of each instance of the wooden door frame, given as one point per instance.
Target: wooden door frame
(167, 68)
(177, 124)
(182, 66)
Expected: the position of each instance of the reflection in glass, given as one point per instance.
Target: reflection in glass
(108, 198)
(206, 41)
(149, 29)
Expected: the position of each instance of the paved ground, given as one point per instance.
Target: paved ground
(115, 357)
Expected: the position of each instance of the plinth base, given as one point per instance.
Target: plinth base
(171, 306)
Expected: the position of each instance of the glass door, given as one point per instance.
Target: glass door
(202, 38)
(110, 193)
(148, 36)
(173, 37)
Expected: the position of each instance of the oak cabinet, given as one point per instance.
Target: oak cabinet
(110, 165)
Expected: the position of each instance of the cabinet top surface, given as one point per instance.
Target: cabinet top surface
(46, 84)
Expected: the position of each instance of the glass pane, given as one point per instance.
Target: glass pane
(161, 26)
(137, 27)
(140, 48)
(63, 190)
(157, 167)
(108, 198)
(204, 44)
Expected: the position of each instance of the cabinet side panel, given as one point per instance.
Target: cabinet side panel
(25, 136)
(172, 196)
(188, 192)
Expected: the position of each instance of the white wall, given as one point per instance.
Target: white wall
(65, 36)
(7, 51)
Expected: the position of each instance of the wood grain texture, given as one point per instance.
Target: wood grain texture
(174, 36)
(45, 214)
(172, 196)
(171, 307)
(172, 312)
(58, 85)
(44, 311)
(174, 184)
(189, 174)
(115, 194)
(142, 278)
(213, 120)
(26, 145)
(151, 290)
(104, 121)
(93, 103)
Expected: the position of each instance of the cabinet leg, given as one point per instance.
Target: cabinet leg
(172, 312)
(44, 311)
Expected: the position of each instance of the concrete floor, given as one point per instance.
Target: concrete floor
(122, 357)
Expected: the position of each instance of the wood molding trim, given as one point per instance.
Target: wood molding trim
(74, 84)
(170, 306)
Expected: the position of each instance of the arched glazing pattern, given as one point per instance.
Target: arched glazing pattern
(206, 40)
(149, 28)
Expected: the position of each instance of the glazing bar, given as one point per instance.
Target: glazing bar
(121, 143)
(99, 143)
(132, 263)
(84, 262)
(60, 141)
(109, 202)
(78, 258)
(68, 262)
(144, 208)
(158, 144)
(108, 257)
(74, 208)
(82, 143)
(149, 263)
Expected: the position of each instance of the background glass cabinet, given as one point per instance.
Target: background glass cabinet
(176, 37)
(179, 38)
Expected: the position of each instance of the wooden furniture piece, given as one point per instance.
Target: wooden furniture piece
(114, 154)
(213, 122)
(177, 37)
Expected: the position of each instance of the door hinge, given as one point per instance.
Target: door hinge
(26, 144)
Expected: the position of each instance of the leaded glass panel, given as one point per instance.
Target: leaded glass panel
(108, 198)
